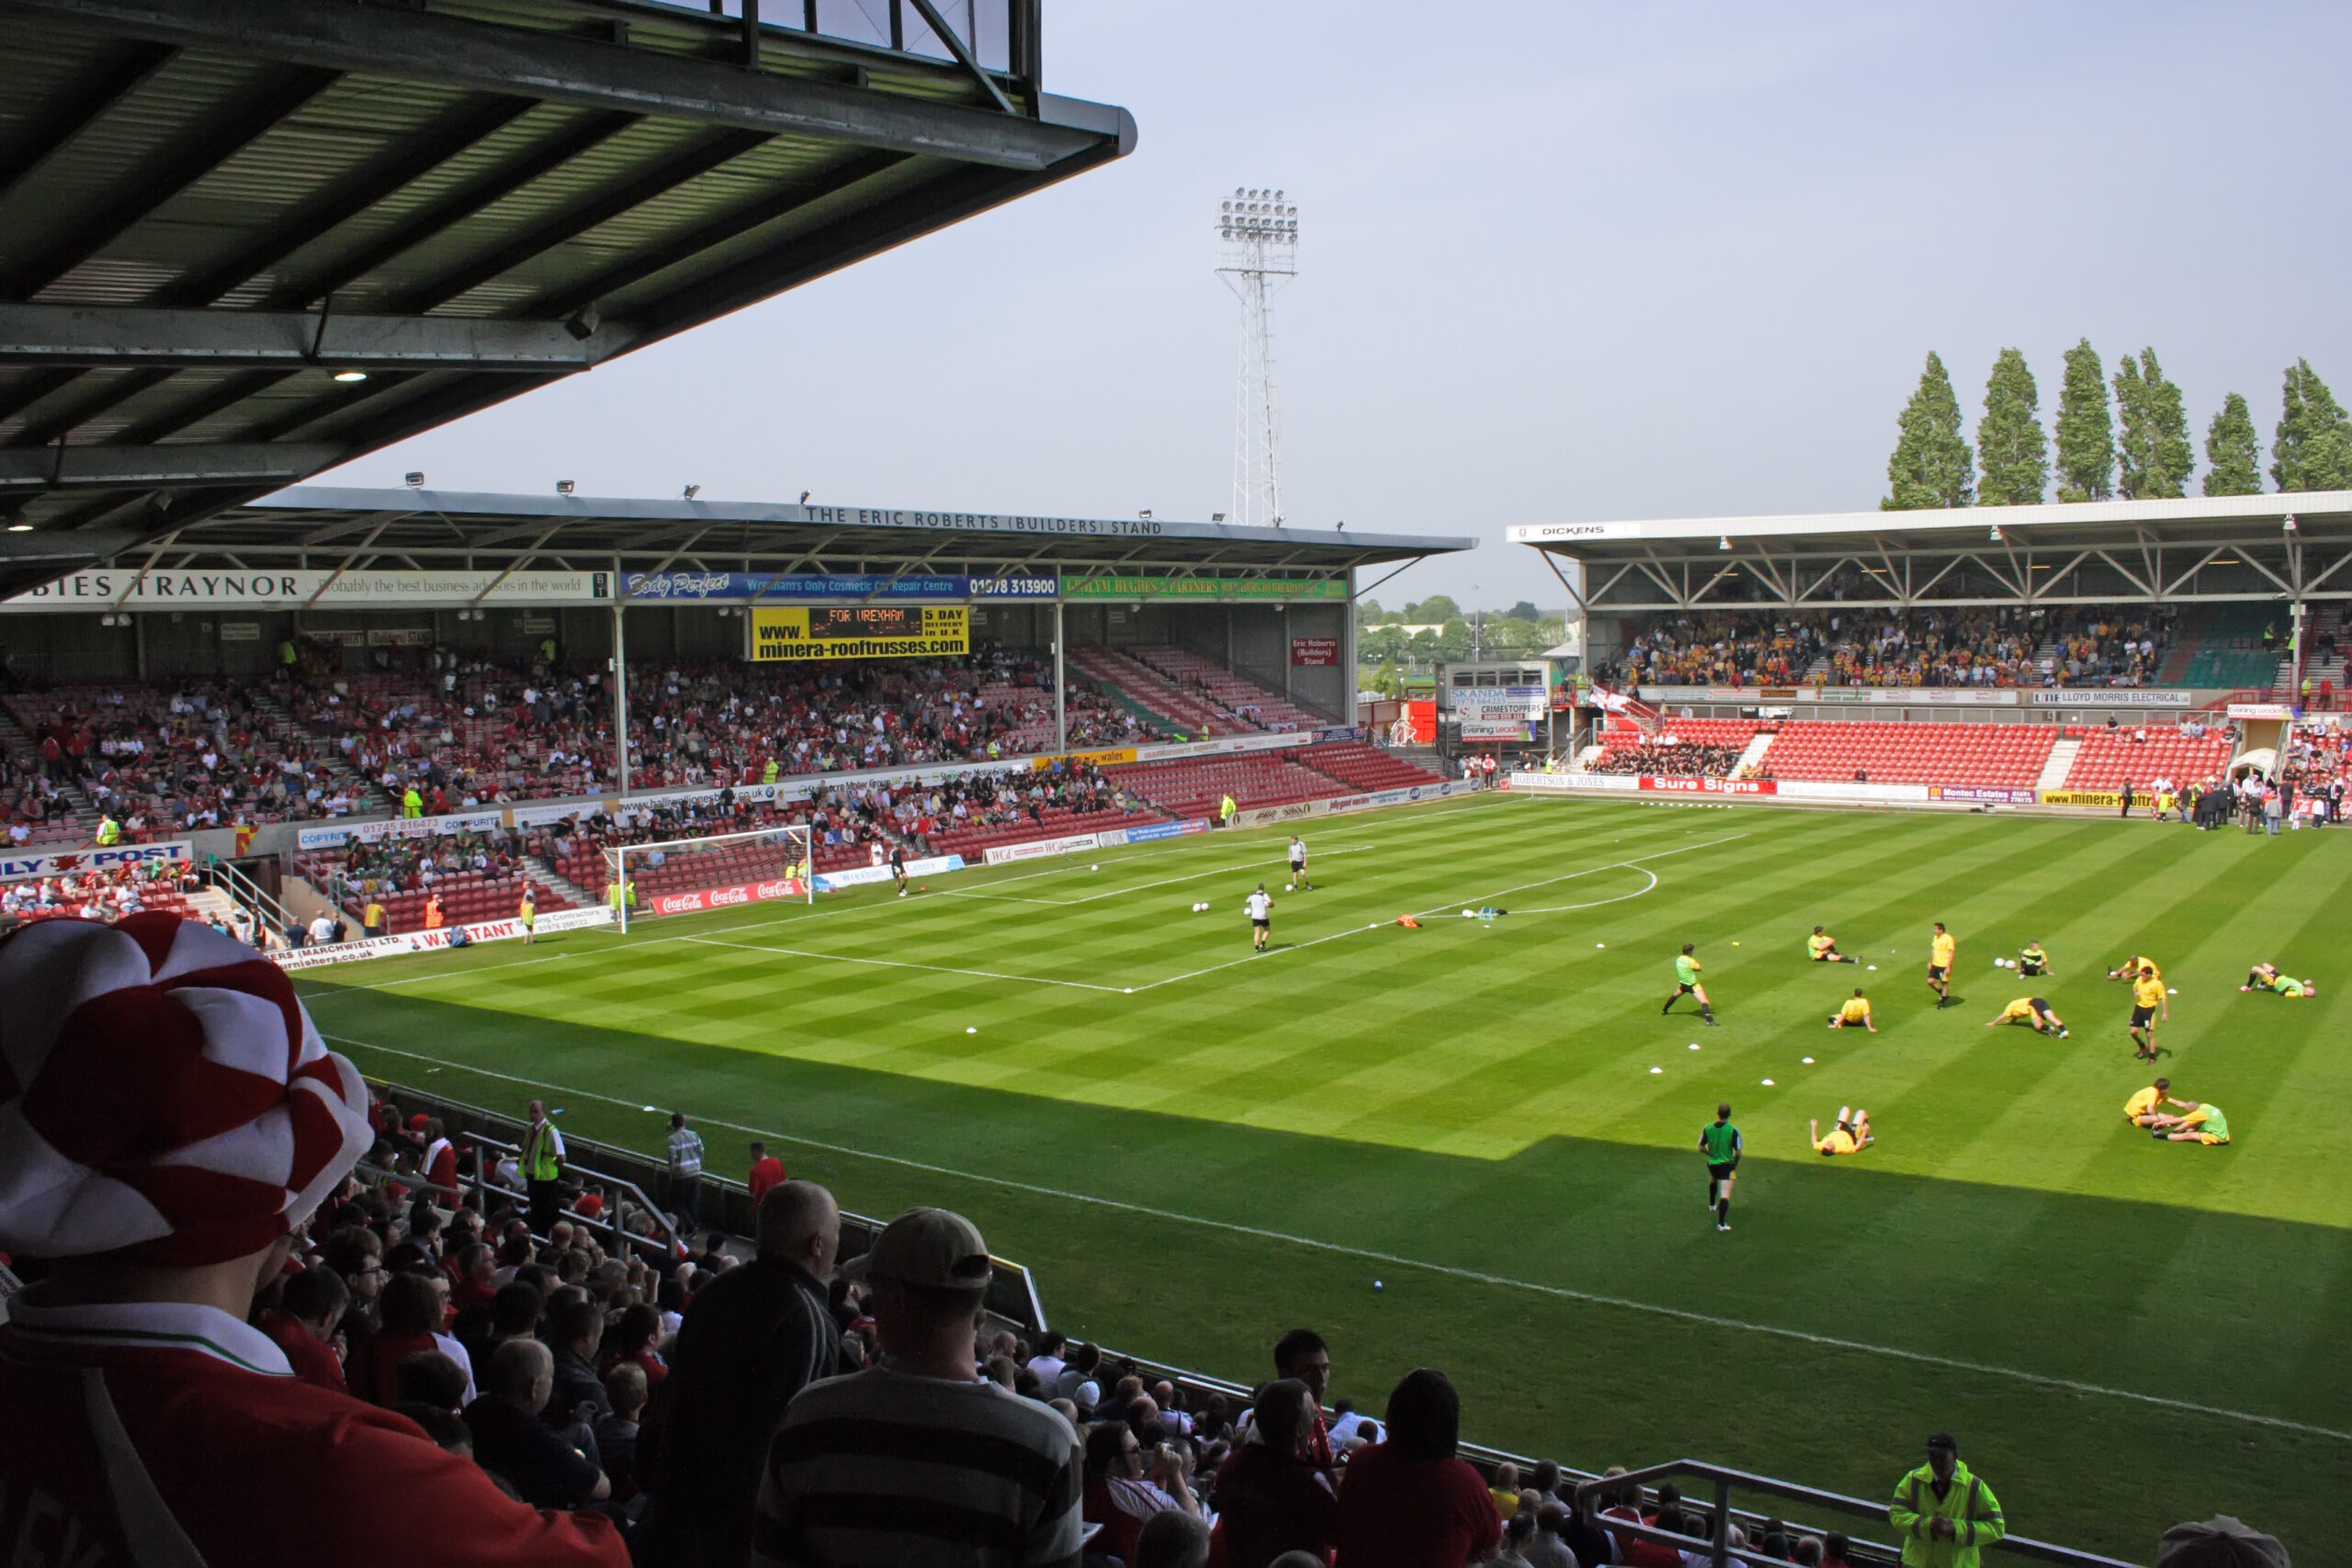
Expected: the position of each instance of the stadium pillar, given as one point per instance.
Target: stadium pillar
(620, 677)
(1061, 712)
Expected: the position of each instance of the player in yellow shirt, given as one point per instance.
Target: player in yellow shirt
(2032, 1011)
(2147, 1003)
(1854, 1013)
(1822, 948)
(1941, 951)
(2141, 1109)
(2130, 968)
(1851, 1136)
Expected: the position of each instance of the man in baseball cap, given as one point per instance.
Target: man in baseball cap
(168, 1118)
(1944, 1513)
(2221, 1542)
(920, 1458)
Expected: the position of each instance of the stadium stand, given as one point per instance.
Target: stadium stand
(1685, 747)
(2138, 755)
(1855, 648)
(2237, 648)
(1188, 712)
(1996, 756)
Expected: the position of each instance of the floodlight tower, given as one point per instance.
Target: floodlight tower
(1257, 235)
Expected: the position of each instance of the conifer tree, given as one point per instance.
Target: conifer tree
(2153, 452)
(2012, 453)
(2313, 449)
(1931, 465)
(2086, 436)
(2232, 458)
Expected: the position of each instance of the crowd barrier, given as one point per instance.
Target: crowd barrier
(505, 929)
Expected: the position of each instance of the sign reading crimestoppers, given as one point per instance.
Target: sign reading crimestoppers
(788, 635)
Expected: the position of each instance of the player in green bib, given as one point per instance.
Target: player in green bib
(1719, 1143)
(1685, 984)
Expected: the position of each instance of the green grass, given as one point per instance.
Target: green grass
(2123, 1333)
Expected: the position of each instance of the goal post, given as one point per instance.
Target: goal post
(678, 877)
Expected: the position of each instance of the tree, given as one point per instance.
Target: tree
(2086, 436)
(1524, 610)
(2012, 453)
(1931, 465)
(1435, 609)
(2232, 458)
(1369, 613)
(2152, 455)
(2313, 449)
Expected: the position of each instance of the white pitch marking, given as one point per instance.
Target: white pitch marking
(1473, 1276)
(897, 964)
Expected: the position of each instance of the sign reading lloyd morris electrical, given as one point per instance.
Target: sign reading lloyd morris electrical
(113, 588)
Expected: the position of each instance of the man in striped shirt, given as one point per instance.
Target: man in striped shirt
(686, 1169)
(920, 1460)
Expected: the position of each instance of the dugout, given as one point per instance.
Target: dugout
(382, 579)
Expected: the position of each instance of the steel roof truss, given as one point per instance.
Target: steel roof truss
(98, 335)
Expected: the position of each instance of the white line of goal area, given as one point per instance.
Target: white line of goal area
(1474, 900)
(1279, 861)
(1445, 1270)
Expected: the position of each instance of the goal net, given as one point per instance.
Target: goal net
(678, 877)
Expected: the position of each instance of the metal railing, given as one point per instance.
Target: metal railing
(1717, 1547)
(267, 913)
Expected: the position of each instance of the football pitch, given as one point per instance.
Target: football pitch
(1196, 1149)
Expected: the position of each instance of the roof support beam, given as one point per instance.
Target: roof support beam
(112, 336)
(33, 468)
(183, 161)
(385, 40)
(70, 110)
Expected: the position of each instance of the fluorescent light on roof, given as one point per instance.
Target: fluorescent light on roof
(348, 377)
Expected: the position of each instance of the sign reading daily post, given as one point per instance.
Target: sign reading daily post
(786, 588)
(799, 634)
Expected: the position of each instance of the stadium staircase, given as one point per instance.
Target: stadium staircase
(572, 893)
(1160, 699)
(2060, 763)
(1751, 760)
(368, 797)
(80, 824)
(2188, 636)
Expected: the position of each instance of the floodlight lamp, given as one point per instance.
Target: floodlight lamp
(2290, 526)
(693, 491)
(27, 528)
(1995, 533)
(416, 478)
(1214, 517)
(350, 378)
(1724, 543)
(564, 487)
(1144, 514)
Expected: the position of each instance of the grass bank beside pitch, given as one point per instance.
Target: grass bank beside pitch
(1468, 1113)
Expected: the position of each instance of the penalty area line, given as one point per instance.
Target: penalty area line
(1445, 1270)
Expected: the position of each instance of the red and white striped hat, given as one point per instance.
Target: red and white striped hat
(162, 1094)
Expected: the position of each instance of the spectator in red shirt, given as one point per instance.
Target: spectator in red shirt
(310, 1308)
(408, 1312)
(440, 1161)
(1301, 1354)
(134, 1346)
(1270, 1496)
(473, 1285)
(766, 1172)
(1409, 1502)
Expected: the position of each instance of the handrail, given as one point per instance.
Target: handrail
(1724, 1479)
(267, 910)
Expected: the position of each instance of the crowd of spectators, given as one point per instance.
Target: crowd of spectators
(1838, 647)
(107, 893)
(368, 868)
(464, 732)
(162, 760)
(1662, 758)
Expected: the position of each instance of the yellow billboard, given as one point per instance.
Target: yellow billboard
(858, 631)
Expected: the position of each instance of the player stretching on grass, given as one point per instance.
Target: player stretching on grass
(1941, 951)
(2141, 1109)
(2032, 1011)
(2266, 977)
(1261, 917)
(1824, 948)
(1719, 1141)
(2033, 960)
(1685, 984)
(2147, 1003)
(1299, 863)
(1855, 1012)
(1851, 1136)
(2196, 1124)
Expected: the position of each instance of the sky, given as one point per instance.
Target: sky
(1557, 263)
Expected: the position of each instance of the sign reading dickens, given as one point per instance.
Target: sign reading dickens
(1222, 589)
(1314, 652)
(859, 631)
